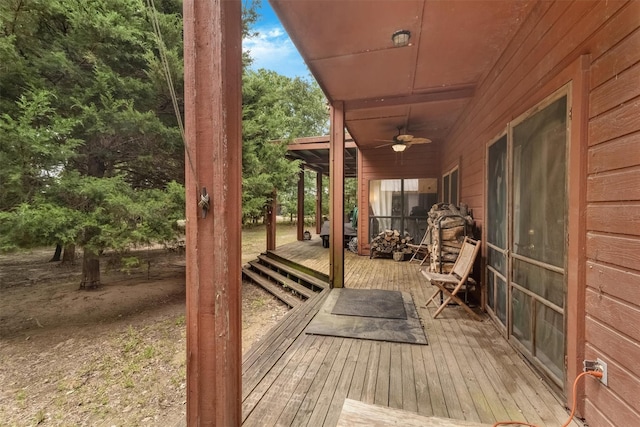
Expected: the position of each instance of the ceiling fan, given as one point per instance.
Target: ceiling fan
(402, 141)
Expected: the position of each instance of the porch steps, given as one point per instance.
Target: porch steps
(272, 288)
(286, 280)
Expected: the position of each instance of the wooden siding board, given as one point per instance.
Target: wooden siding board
(616, 282)
(619, 57)
(611, 345)
(615, 250)
(616, 410)
(615, 218)
(618, 314)
(615, 154)
(620, 121)
(616, 186)
(622, 88)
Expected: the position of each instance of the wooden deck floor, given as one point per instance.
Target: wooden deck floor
(467, 372)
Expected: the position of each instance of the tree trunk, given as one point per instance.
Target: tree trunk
(58, 252)
(90, 270)
(69, 256)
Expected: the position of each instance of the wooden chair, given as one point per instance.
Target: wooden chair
(423, 248)
(451, 284)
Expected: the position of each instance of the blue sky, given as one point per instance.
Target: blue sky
(272, 49)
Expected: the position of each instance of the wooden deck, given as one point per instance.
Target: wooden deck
(467, 372)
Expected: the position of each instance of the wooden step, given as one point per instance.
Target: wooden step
(314, 282)
(275, 290)
(283, 280)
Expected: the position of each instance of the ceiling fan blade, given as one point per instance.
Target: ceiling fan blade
(385, 140)
(420, 141)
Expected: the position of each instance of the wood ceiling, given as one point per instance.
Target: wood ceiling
(423, 87)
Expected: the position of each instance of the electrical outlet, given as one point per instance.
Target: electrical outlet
(602, 367)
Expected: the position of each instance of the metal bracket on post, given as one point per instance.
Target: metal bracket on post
(204, 202)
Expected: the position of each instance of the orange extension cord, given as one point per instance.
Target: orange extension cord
(595, 374)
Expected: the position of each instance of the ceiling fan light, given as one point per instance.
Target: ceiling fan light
(401, 38)
(398, 147)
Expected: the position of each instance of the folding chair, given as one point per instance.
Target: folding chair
(452, 283)
(422, 248)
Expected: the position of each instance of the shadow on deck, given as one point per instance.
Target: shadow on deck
(467, 372)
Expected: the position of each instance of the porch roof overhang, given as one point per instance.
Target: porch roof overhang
(422, 88)
(314, 154)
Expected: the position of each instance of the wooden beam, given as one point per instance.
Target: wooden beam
(336, 196)
(318, 202)
(300, 205)
(438, 94)
(270, 219)
(213, 69)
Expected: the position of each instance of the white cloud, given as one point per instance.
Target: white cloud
(273, 50)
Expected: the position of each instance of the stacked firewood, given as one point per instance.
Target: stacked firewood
(449, 224)
(390, 241)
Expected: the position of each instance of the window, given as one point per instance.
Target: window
(401, 204)
(450, 187)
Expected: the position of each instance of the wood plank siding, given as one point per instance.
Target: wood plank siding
(467, 372)
(541, 58)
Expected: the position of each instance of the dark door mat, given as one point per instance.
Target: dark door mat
(370, 303)
(407, 330)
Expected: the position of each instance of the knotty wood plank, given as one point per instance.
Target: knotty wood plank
(467, 375)
(356, 414)
(395, 376)
(282, 331)
(444, 399)
(281, 345)
(273, 401)
(382, 383)
(342, 389)
(515, 403)
(409, 395)
(359, 374)
(459, 386)
(423, 402)
(264, 379)
(299, 393)
(314, 407)
(371, 375)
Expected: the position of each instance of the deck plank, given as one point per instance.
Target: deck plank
(467, 372)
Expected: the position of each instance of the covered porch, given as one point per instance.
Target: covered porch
(468, 371)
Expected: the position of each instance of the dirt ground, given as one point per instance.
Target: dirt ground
(114, 356)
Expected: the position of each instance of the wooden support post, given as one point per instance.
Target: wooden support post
(270, 219)
(300, 205)
(336, 196)
(213, 69)
(318, 202)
